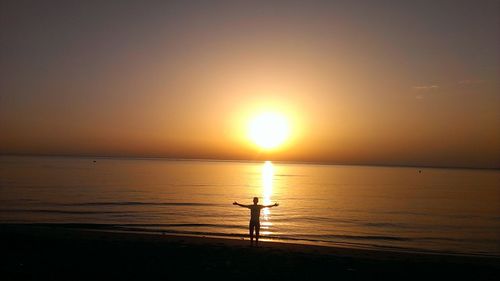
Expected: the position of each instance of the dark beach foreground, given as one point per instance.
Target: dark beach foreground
(58, 252)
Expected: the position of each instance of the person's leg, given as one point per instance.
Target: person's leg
(250, 229)
(257, 230)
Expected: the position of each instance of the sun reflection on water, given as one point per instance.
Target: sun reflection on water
(267, 186)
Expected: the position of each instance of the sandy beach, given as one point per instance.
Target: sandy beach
(34, 252)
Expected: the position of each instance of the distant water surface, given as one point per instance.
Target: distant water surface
(444, 210)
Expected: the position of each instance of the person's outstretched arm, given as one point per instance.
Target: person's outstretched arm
(270, 206)
(241, 205)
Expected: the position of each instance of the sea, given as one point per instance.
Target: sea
(417, 209)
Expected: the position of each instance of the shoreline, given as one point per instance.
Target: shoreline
(112, 228)
(40, 252)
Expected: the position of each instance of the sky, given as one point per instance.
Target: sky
(361, 82)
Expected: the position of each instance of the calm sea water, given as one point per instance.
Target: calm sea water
(445, 210)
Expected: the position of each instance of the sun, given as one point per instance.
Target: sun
(269, 130)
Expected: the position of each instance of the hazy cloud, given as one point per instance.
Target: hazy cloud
(423, 90)
(426, 88)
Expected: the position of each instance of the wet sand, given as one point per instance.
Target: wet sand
(42, 252)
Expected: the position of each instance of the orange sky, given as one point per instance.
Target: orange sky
(361, 83)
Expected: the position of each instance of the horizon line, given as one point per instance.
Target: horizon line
(325, 163)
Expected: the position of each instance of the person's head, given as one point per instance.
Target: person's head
(255, 200)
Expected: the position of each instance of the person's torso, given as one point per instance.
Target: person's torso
(255, 212)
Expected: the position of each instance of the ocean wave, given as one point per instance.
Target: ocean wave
(58, 211)
(188, 225)
(139, 203)
(378, 237)
(353, 221)
(167, 228)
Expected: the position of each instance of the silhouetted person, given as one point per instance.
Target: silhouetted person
(255, 217)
